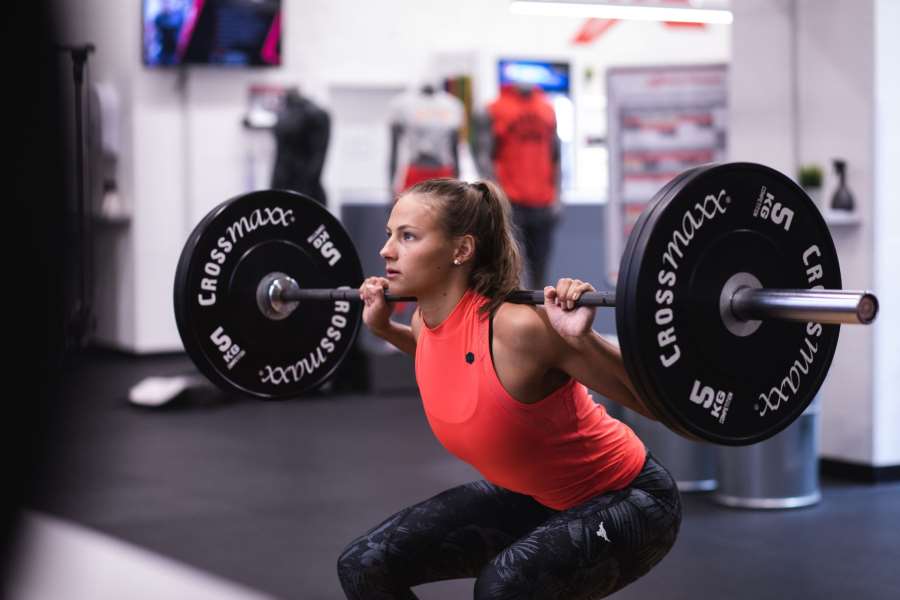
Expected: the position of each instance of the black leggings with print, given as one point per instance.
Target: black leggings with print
(514, 546)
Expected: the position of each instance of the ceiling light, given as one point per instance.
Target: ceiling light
(621, 11)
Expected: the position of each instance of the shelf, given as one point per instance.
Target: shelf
(841, 218)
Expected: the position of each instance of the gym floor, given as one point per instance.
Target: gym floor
(266, 494)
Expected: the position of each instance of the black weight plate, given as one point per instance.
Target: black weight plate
(624, 261)
(227, 256)
(712, 384)
(660, 409)
(624, 305)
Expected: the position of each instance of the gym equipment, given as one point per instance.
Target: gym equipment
(727, 304)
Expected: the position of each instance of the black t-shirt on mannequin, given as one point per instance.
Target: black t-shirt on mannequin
(301, 136)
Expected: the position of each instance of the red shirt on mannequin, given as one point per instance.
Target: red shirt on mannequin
(524, 132)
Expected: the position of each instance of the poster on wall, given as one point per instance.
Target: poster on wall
(661, 121)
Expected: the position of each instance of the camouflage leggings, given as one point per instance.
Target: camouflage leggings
(516, 547)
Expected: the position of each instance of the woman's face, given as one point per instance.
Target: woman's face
(418, 254)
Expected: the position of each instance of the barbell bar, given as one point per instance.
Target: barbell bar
(821, 306)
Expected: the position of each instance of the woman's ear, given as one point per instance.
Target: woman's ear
(465, 249)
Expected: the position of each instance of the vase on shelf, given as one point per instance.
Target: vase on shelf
(842, 199)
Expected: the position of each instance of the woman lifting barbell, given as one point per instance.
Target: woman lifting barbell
(572, 505)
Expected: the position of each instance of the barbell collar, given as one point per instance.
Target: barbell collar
(821, 306)
(270, 296)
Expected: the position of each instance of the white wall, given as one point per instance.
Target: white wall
(886, 417)
(842, 104)
(835, 84)
(760, 86)
(185, 150)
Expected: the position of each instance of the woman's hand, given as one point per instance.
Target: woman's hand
(376, 312)
(559, 302)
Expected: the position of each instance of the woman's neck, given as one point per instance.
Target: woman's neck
(437, 306)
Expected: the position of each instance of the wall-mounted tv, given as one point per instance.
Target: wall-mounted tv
(240, 33)
(549, 76)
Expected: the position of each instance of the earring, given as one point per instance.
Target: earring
(456, 262)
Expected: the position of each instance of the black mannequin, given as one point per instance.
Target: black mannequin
(301, 135)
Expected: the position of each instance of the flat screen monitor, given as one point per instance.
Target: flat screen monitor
(549, 76)
(239, 33)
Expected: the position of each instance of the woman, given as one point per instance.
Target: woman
(572, 506)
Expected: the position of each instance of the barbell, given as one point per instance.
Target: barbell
(728, 300)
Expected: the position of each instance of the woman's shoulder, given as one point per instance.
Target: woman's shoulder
(522, 326)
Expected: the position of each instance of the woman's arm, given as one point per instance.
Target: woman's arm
(527, 346)
(598, 364)
(581, 352)
(399, 335)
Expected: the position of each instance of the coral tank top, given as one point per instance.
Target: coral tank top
(561, 450)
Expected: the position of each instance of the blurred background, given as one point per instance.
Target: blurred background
(134, 119)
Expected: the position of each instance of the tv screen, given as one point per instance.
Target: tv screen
(212, 32)
(549, 76)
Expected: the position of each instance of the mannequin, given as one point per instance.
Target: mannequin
(519, 148)
(301, 135)
(425, 133)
